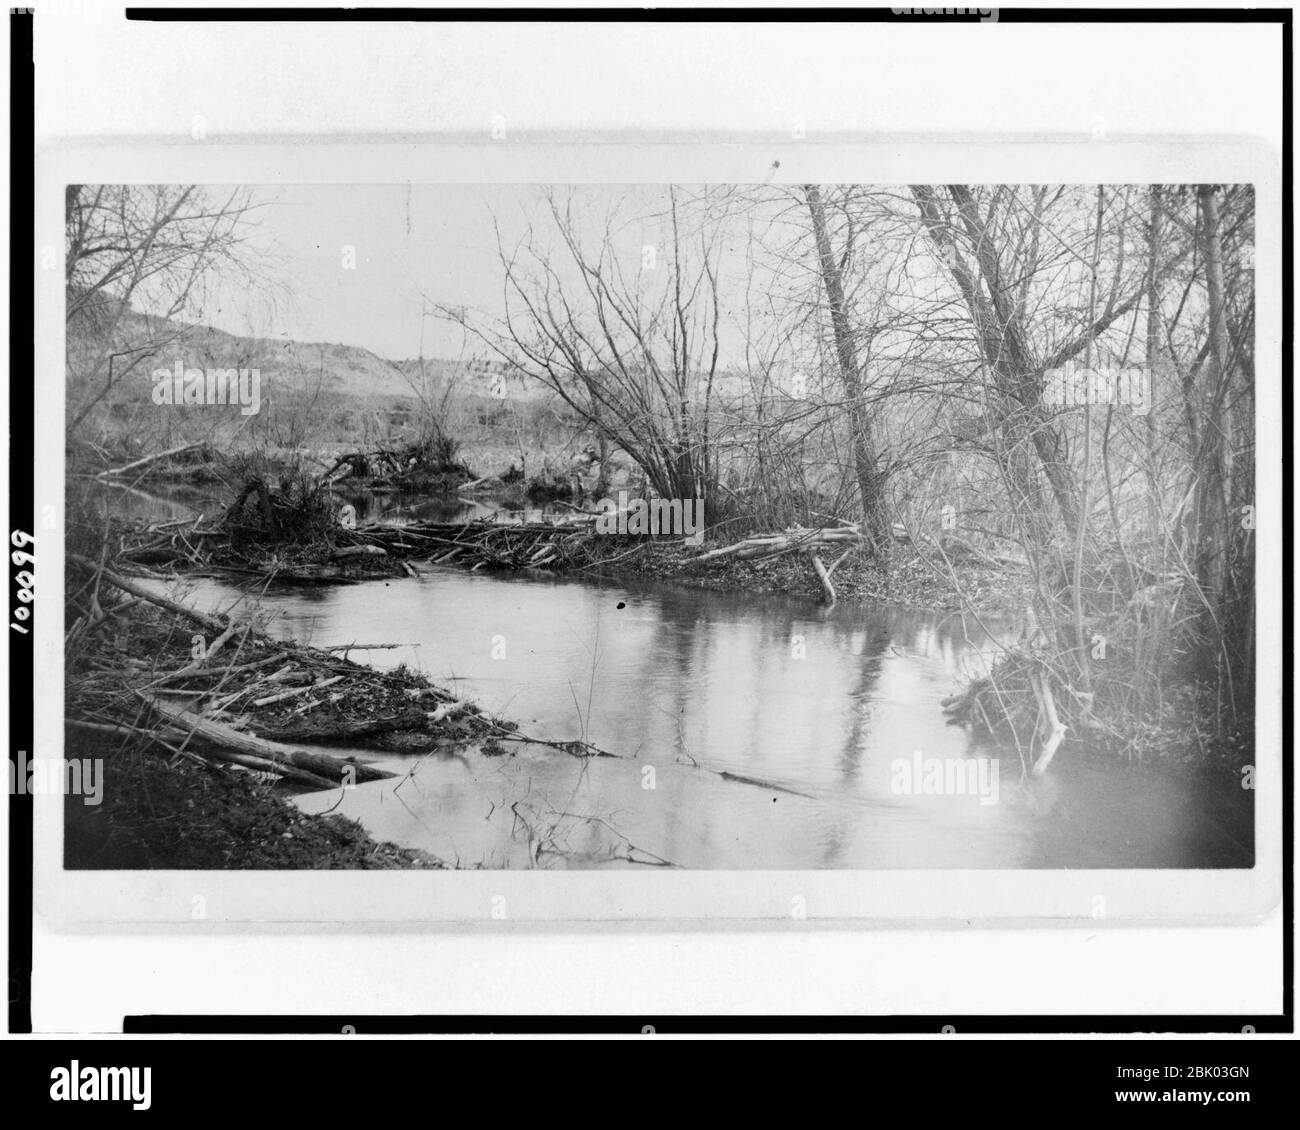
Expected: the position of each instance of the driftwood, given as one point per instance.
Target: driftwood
(276, 754)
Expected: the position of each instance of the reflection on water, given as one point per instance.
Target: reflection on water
(751, 731)
(123, 501)
(661, 671)
(809, 712)
(401, 509)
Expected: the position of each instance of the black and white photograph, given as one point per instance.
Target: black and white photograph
(646, 523)
(776, 526)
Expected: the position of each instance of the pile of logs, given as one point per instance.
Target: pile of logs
(797, 539)
(477, 545)
(493, 545)
(486, 544)
(236, 695)
(572, 543)
(230, 694)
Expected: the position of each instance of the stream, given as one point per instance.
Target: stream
(748, 731)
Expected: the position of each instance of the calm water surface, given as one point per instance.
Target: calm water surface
(808, 713)
(750, 732)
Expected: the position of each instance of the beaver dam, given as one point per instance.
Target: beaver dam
(502, 694)
(152, 676)
(968, 470)
(274, 535)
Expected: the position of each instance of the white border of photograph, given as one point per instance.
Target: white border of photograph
(677, 897)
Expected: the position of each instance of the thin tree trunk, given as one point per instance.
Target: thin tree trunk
(1212, 469)
(1013, 384)
(869, 478)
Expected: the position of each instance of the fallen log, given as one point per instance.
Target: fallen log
(787, 541)
(288, 772)
(131, 732)
(148, 460)
(225, 737)
(212, 623)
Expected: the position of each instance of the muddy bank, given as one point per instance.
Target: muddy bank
(174, 815)
(201, 720)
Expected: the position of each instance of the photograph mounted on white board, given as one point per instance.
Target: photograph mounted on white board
(780, 526)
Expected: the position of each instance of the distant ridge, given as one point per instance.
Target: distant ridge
(292, 366)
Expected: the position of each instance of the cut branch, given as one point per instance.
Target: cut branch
(227, 738)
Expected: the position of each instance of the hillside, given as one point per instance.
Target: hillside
(291, 366)
(322, 397)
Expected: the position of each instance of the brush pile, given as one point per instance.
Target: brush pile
(259, 537)
(568, 544)
(426, 463)
(813, 542)
(210, 689)
(797, 539)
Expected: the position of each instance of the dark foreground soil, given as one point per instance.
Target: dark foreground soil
(186, 817)
(170, 797)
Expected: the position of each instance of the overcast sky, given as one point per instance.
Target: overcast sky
(437, 241)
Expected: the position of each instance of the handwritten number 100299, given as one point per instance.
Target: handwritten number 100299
(26, 579)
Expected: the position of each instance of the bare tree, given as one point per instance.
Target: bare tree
(132, 246)
(875, 524)
(632, 349)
